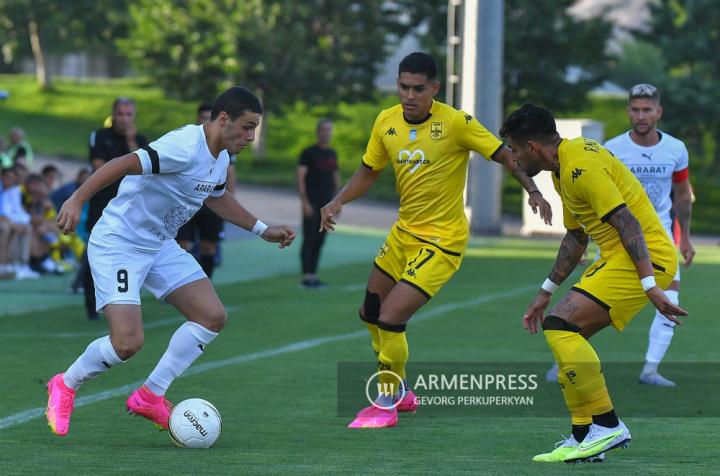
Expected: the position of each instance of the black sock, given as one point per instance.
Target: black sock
(207, 263)
(580, 431)
(608, 420)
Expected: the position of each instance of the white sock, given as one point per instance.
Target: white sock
(186, 345)
(97, 358)
(661, 334)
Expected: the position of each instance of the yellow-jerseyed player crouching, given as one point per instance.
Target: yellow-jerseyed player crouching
(602, 200)
(427, 143)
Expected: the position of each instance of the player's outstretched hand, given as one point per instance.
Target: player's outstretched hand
(537, 202)
(328, 214)
(69, 215)
(282, 234)
(664, 305)
(687, 250)
(535, 312)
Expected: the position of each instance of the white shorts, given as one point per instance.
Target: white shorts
(120, 270)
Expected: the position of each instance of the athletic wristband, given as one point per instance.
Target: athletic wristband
(648, 282)
(535, 191)
(549, 286)
(259, 228)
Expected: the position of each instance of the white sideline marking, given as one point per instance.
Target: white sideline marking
(33, 413)
(353, 287)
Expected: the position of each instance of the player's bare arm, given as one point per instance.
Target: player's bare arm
(356, 187)
(229, 209)
(69, 214)
(535, 200)
(633, 240)
(683, 211)
(571, 251)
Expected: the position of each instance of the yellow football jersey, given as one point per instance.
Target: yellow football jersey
(593, 184)
(430, 163)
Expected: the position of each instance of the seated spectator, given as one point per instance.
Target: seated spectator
(63, 192)
(6, 268)
(45, 232)
(19, 219)
(5, 160)
(19, 149)
(51, 176)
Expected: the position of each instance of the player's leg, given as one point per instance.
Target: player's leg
(198, 302)
(310, 232)
(125, 339)
(378, 287)
(177, 278)
(425, 270)
(88, 285)
(316, 246)
(567, 328)
(118, 275)
(209, 229)
(661, 333)
(397, 309)
(384, 274)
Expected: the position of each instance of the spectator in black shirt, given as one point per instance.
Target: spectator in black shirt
(318, 180)
(105, 144)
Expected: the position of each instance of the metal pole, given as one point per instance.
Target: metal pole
(453, 41)
(482, 94)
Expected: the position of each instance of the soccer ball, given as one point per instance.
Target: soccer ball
(195, 423)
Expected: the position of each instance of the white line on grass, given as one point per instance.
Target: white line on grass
(33, 413)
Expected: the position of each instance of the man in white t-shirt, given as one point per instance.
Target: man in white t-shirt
(133, 245)
(660, 162)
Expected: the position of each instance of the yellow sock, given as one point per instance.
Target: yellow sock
(393, 356)
(579, 372)
(375, 335)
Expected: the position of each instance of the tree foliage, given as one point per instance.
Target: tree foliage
(638, 62)
(316, 50)
(544, 44)
(688, 35)
(551, 57)
(64, 26)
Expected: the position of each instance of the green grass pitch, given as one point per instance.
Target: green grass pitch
(272, 374)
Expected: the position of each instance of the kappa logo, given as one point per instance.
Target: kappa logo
(414, 158)
(436, 130)
(391, 132)
(468, 118)
(577, 173)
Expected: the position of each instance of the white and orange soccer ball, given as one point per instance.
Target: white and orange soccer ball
(195, 423)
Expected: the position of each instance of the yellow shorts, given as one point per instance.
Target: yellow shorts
(612, 282)
(419, 263)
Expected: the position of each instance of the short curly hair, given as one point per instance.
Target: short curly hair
(530, 122)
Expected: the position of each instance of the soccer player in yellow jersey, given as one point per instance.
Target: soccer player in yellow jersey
(602, 200)
(428, 145)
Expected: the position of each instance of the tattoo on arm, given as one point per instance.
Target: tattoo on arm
(571, 250)
(631, 234)
(683, 211)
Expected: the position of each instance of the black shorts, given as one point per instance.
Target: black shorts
(205, 224)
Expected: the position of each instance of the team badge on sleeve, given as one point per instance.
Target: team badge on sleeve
(436, 130)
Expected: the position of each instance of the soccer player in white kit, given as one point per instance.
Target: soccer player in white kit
(660, 162)
(133, 245)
